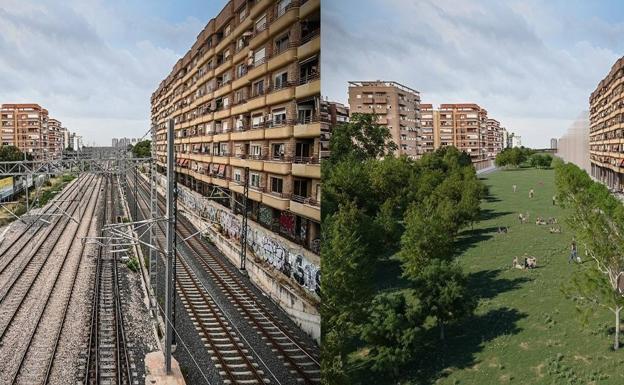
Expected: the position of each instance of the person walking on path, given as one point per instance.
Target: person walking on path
(573, 252)
(515, 188)
(554, 199)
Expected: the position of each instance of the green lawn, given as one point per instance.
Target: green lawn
(525, 330)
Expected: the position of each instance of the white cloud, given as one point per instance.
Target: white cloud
(92, 65)
(506, 56)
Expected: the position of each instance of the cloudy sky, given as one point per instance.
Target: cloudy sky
(95, 63)
(532, 64)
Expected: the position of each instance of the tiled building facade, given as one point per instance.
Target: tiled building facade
(247, 95)
(606, 128)
(28, 127)
(395, 105)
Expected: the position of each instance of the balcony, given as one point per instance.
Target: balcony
(283, 94)
(221, 159)
(256, 102)
(308, 128)
(307, 170)
(253, 194)
(306, 207)
(307, 7)
(283, 57)
(290, 15)
(261, 35)
(278, 166)
(223, 113)
(308, 86)
(221, 137)
(260, 6)
(247, 134)
(243, 161)
(260, 68)
(275, 200)
(223, 90)
(310, 45)
(283, 130)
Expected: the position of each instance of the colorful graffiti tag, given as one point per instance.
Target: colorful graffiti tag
(290, 261)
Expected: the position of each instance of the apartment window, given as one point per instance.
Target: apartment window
(280, 80)
(239, 122)
(242, 14)
(257, 120)
(226, 54)
(258, 88)
(223, 149)
(302, 149)
(254, 180)
(237, 175)
(259, 56)
(261, 23)
(282, 7)
(238, 96)
(255, 150)
(301, 188)
(305, 113)
(241, 70)
(278, 150)
(240, 44)
(226, 102)
(279, 116)
(281, 44)
(227, 30)
(277, 185)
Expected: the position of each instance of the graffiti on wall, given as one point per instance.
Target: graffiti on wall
(279, 254)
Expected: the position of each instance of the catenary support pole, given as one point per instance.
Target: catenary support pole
(169, 284)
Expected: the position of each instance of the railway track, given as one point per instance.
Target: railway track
(51, 209)
(107, 358)
(300, 359)
(10, 254)
(230, 355)
(30, 339)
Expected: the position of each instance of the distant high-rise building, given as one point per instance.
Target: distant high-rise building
(516, 141)
(332, 114)
(26, 127)
(55, 139)
(553, 143)
(573, 146)
(115, 142)
(395, 105)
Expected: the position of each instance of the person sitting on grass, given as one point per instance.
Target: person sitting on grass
(531, 263)
(531, 194)
(503, 229)
(540, 221)
(555, 230)
(515, 264)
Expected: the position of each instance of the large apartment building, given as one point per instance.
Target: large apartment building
(395, 105)
(332, 114)
(606, 128)
(55, 139)
(494, 137)
(26, 127)
(247, 95)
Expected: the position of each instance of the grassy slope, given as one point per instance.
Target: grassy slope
(525, 330)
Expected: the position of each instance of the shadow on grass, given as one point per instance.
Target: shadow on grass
(485, 284)
(488, 214)
(464, 341)
(470, 238)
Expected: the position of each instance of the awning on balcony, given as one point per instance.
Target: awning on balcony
(221, 170)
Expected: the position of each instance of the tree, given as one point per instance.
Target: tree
(348, 267)
(512, 156)
(361, 138)
(142, 149)
(393, 334)
(597, 218)
(12, 154)
(540, 160)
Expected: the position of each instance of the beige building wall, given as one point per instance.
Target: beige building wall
(395, 105)
(247, 95)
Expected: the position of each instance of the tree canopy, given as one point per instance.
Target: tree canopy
(378, 207)
(597, 218)
(12, 154)
(142, 149)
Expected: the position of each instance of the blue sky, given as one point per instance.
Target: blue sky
(95, 63)
(532, 64)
